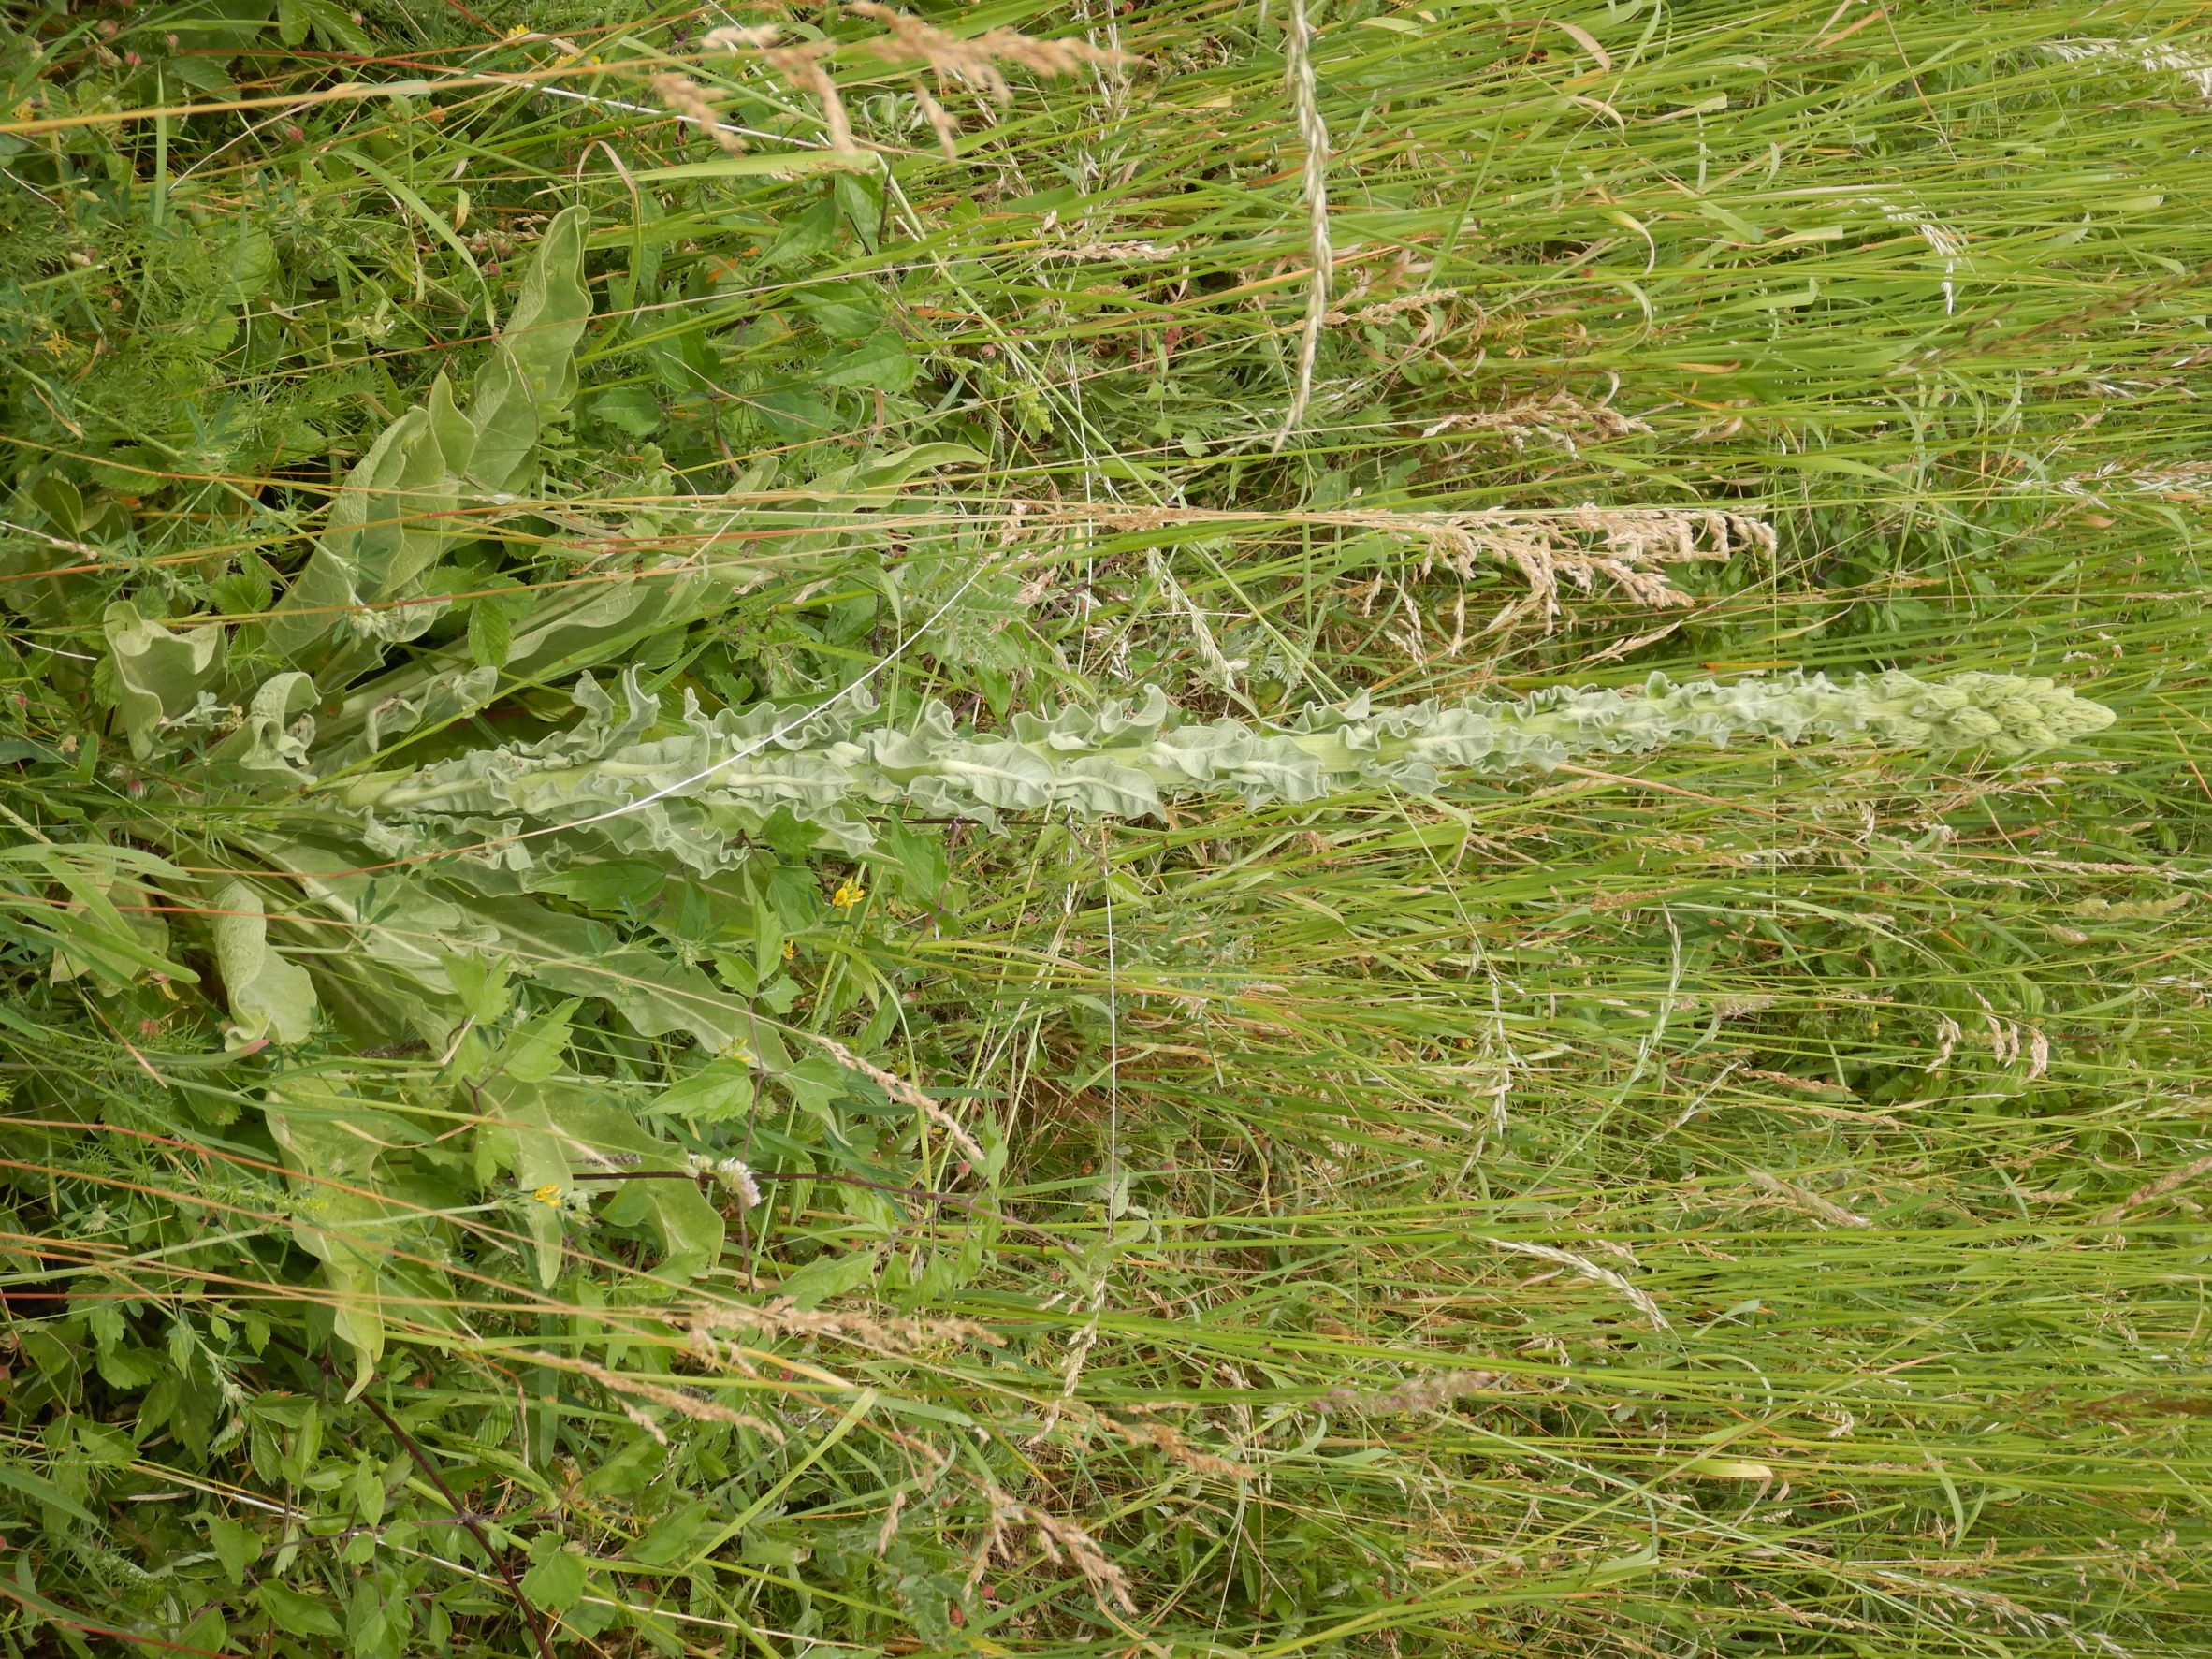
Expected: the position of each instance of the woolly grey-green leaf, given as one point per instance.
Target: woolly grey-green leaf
(271, 998)
(159, 674)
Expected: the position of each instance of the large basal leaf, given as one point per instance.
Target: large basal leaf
(531, 378)
(402, 506)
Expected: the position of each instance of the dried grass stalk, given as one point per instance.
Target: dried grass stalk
(689, 99)
(1298, 39)
(1628, 548)
(895, 1335)
(972, 60)
(1561, 418)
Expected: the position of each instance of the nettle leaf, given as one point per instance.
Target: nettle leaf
(491, 638)
(271, 999)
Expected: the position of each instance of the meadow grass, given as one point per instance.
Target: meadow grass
(1740, 1201)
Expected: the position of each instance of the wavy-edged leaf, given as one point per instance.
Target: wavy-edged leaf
(531, 377)
(159, 674)
(271, 998)
(331, 1143)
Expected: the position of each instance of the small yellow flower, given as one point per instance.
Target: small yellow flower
(547, 1194)
(790, 951)
(516, 33)
(849, 892)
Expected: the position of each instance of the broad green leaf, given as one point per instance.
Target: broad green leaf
(373, 1248)
(530, 376)
(297, 1613)
(849, 310)
(491, 640)
(878, 363)
(235, 1547)
(272, 741)
(900, 465)
(829, 1275)
(672, 1535)
(557, 1575)
(534, 1052)
(518, 1134)
(593, 1130)
(633, 409)
(717, 1092)
(481, 983)
(250, 261)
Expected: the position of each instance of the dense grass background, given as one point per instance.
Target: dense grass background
(1747, 1203)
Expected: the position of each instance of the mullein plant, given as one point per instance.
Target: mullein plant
(447, 877)
(697, 787)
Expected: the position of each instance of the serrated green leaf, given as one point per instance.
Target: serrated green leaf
(235, 1547)
(491, 639)
(557, 1575)
(535, 1051)
(481, 983)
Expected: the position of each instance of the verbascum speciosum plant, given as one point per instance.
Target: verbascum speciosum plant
(695, 786)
